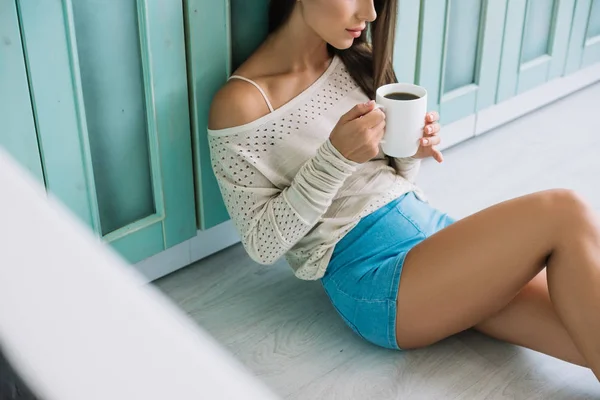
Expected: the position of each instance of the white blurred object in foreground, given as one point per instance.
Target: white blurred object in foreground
(78, 324)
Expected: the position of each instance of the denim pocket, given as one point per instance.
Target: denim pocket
(411, 211)
(408, 226)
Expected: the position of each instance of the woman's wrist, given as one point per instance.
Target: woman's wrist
(330, 149)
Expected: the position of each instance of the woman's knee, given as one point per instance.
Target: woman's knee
(570, 205)
(572, 214)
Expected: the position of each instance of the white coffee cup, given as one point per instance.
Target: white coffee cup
(405, 119)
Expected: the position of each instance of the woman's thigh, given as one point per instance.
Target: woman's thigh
(470, 270)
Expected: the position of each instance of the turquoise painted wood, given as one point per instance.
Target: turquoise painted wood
(591, 52)
(58, 102)
(110, 88)
(535, 44)
(593, 29)
(249, 26)
(459, 53)
(584, 46)
(206, 76)
(17, 133)
(112, 84)
(407, 40)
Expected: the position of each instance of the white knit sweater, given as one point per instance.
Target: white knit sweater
(286, 187)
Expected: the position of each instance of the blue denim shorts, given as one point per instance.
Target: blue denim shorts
(363, 275)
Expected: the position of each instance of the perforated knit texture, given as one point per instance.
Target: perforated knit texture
(262, 211)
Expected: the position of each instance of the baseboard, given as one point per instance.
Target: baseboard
(531, 100)
(202, 245)
(222, 236)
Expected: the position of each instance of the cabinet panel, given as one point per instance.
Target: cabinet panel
(591, 51)
(407, 40)
(593, 29)
(584, 46)
(58, 104)
(535, 44)
(462, 44)
(18, 135)
(209, 64)
(538, 25)
(112, 83)
(459, 55)
(249, 26)
(87, 121)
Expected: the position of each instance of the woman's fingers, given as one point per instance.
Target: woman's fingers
(432, 117)
(379, 130)
(431, 141)
(432, 129)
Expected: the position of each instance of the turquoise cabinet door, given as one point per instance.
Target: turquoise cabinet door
(209, 64)
(406, 41)
(249, 27)
(535, 44)
(221, 34)
(17, 124)
(459, 54)
(584, 46)
(109, 85)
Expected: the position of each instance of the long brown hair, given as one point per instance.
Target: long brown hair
(369, 64)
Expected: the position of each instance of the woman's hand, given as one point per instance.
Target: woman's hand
(430, 139)
(358, 132)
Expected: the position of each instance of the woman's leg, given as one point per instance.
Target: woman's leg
(470, 271)
(530, 320)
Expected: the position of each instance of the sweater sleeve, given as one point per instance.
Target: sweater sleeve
(407, 167)
(271, 220)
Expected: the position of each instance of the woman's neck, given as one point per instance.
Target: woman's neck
(298, 45)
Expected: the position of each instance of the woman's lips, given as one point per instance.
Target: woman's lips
(355, 32)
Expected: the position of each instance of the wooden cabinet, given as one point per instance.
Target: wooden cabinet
(109, 89)
(17, 125)
(209, 64)
(584, 46)
(536, 41)
(407, 41)
(475, 55)
(107, 102)
(459, 53)
(249, 27)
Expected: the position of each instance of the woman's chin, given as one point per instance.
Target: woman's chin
(342, 44)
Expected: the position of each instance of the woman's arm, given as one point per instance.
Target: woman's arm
(271, 221)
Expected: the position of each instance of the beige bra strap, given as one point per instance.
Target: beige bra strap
(256, 86)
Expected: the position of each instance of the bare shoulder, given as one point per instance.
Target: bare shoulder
(237, 103)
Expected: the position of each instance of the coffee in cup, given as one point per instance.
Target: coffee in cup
(401, 96)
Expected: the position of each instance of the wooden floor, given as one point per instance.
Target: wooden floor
(285, 331)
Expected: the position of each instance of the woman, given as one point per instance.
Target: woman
(304, 177)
